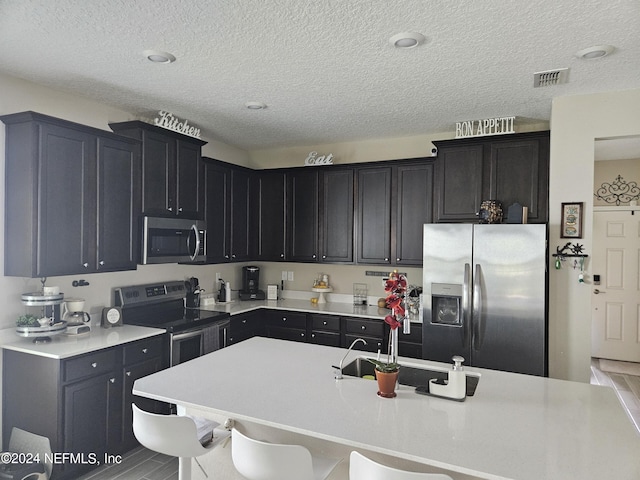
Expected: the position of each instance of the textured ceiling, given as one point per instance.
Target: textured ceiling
(324, 68)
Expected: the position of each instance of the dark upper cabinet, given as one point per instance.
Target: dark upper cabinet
(227, 211)
(336, 232)
(374, 215)
(240, 214)
(303, 214)
(509, 168)
(413, 195)
(217, 190)
(270, 190)
(459, 171)
(172, 173)
(118, 189)
(72, 198)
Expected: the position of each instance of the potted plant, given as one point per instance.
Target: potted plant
(387, 371)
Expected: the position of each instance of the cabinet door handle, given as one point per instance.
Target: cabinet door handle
(244, 321)
(284, 319)
(170, 209)
(101, 262)
(128, 374)
(94, 364)
(363, 327)
(85, 265)
(180, 209)
(302, 334)
(397, 259)
(227, 257)
(112, 380)
(324, 323)
(145, 350)
(386, 259)
(324, 256)
(313, 256)
(233, 256)
(282, 255)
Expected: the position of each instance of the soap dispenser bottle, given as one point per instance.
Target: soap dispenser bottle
(457, 379)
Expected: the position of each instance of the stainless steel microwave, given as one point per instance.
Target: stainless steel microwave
(173, 240)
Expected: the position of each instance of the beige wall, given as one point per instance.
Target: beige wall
(606, 171)
(576, 122)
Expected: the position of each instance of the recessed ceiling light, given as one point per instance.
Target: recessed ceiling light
(407, 40)
(255, 105)
(157, 56)
(597, 51)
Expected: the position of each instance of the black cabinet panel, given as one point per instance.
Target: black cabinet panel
(337, 216)
(507, 168)
(172, 171)
(374, 215)
(72, 198)
(413, 208)
(240, 215)
(460, 182)
(271, 222)
(218, 212)
(303, 214)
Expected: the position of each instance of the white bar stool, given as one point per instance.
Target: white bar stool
(176, 436)
(363, 468)
(257, 460)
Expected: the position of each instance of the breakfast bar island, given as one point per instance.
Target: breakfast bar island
(514, 426)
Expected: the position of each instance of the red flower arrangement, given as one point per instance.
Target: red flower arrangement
(396, 288)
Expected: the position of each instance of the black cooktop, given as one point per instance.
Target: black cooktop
(173, 318)
(162, 306)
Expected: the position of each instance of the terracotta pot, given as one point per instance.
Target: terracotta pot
(387, 383)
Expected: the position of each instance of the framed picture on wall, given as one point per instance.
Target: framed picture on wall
(571, 220)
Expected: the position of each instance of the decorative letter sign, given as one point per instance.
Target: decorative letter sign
(482, 128)
(168, 121)
(313, 159)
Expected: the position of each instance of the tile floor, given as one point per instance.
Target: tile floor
(142, 464)
(627, 388)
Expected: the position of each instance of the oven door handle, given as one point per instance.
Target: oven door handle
(196, 249)
(185, 335)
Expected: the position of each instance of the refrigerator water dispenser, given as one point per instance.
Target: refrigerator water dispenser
(446, 304)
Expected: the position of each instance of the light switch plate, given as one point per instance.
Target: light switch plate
(284, 275)
(290, 277)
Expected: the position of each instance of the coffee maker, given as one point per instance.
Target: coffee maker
(250, 282)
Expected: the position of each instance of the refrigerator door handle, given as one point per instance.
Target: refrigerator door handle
(477, 309)
(466, 303)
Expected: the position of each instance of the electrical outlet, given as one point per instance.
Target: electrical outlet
(384, 281)
(284, 275)
(290, 276)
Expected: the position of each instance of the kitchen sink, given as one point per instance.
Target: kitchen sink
(409, 375)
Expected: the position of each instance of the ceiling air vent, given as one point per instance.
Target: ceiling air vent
(550, 77)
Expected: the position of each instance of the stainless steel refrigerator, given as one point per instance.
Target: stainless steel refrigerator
(485, 295)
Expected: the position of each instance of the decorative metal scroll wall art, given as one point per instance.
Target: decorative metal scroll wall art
(618, 191)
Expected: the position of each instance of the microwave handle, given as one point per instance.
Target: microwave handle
(197, 246)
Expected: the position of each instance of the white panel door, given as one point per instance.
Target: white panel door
(616, 301)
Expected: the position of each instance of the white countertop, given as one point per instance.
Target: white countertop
(64, 345)
(334, 308)
(515, 426)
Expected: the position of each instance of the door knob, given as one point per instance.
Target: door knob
(596, 291)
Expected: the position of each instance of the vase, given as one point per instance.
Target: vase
(387, 383)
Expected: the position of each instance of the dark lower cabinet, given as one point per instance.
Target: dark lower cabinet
(246, 325)
(325, 330)
(374, 332)
(410, 345)
(82, 404)
(287, 325)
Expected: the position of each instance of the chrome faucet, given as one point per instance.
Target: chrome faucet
(339, 369)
